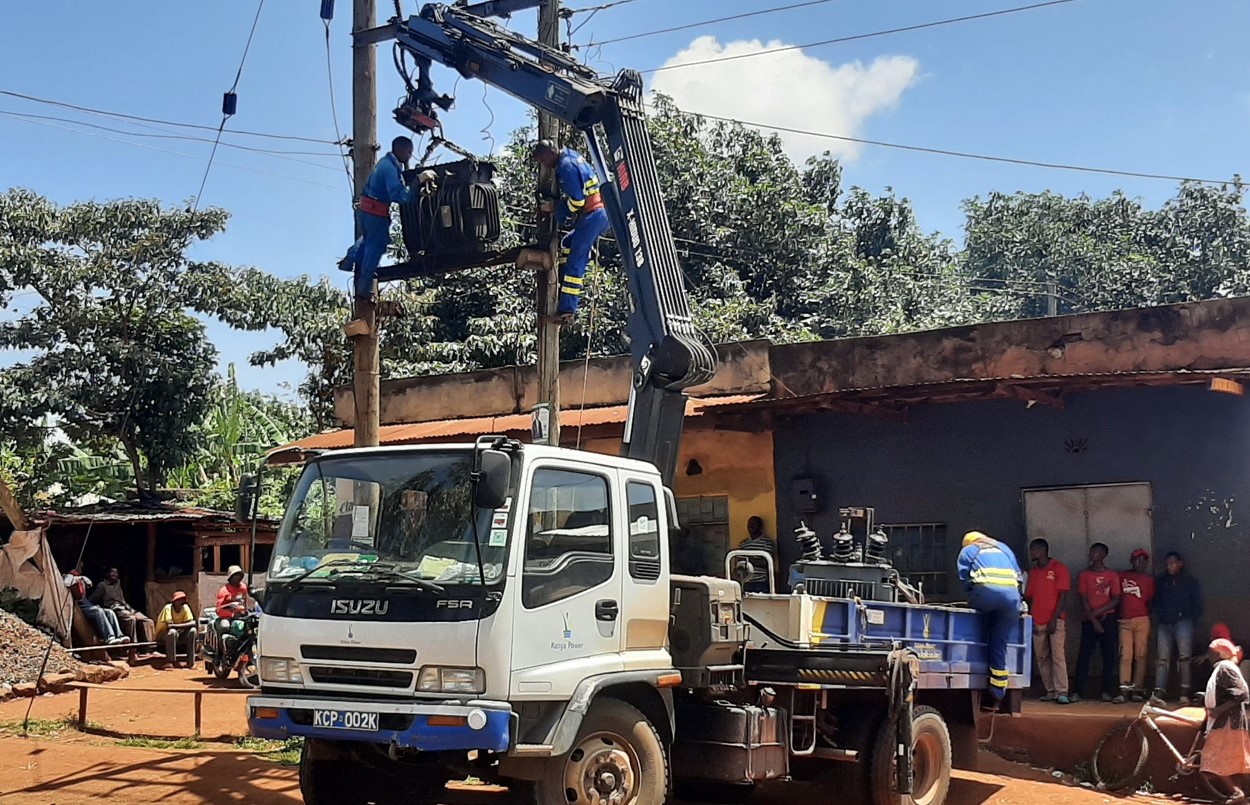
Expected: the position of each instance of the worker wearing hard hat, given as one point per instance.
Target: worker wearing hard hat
(991, 577)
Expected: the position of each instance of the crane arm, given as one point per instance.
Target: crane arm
(669, 354)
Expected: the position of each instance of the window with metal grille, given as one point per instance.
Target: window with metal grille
(922, 555)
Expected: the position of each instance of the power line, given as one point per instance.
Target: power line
(334, 114)
(173, 153)
(186, 137)
(140, 118)
(228, 105)
(921, 26)
(596, 9)
(961, 154)
(731, 18)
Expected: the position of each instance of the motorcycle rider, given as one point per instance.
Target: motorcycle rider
(231, 599)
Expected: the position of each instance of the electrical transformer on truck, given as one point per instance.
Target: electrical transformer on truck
(506, 611)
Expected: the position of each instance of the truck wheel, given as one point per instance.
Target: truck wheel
(617, 759)
(931, 762)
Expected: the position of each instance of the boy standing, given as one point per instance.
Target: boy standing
(1137, 590)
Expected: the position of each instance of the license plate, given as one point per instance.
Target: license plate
(345, 720)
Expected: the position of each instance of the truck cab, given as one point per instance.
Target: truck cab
(456, 598)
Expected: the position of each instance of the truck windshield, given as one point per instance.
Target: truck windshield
(402, 515)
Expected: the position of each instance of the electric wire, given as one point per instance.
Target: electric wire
(960, 154)
(172, 153)
(140, 118)
(186, 137)
(714, 21)
(856, 37)
(334, 115)
(225, 115)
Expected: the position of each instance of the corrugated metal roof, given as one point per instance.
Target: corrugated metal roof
(132, 513)
(511, 423)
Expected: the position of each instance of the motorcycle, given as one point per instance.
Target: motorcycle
(230, 647)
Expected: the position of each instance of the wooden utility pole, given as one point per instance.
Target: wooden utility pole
(364, 154)
(548, 236)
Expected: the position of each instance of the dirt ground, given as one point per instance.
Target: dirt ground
(73, 768)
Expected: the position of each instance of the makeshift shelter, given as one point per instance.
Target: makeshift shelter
(27, 565)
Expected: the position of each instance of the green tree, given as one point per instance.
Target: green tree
(1102, 254)
(110, 347)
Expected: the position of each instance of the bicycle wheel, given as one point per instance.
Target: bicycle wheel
(1120, 759)
(1204, 782)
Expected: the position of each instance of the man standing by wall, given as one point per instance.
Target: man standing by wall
(1047, 593)
(1137, 590)
(1177, 607)
(756, 541)
(1099, 588)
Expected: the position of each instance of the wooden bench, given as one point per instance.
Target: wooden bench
(84, 688)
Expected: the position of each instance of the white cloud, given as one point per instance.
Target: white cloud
(789, 89)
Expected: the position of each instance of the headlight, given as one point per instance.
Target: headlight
(281, 671)
(434, 679)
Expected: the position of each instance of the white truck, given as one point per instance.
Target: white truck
(506, 611)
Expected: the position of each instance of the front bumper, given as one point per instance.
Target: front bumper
(406, 724)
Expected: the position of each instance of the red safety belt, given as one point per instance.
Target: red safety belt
(374, 207)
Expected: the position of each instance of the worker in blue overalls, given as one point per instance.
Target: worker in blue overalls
(991, 577)
(579, 187)
(373, 215)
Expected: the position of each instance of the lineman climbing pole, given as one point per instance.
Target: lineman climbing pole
(364, 151)
(548, 292)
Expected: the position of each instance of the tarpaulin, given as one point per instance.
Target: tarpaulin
(26, 564)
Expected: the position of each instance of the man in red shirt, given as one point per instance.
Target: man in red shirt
(1137, 590)
(232, 597)
(1047, 592)
(1099, 587)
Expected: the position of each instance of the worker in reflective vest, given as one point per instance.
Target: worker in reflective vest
(581, 203)
(991, 577)
(373, 215)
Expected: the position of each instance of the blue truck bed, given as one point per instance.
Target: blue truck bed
(949, 639)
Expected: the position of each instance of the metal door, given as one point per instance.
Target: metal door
(1117, 515)
(568, 625)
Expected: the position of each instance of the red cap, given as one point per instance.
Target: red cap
(1140, 552)
(1220, 631)
(179, 596)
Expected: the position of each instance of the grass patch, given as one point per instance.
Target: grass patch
(285, 753)
(41, 727)
(160, 743)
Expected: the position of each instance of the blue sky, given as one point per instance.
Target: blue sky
(1158, 86)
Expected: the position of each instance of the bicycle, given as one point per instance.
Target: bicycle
(1119, 762)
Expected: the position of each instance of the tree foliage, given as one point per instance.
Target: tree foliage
(110, 345)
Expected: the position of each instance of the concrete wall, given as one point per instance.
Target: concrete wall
(736, 465)
(743, 368)
(1202, 335)
(965, 464)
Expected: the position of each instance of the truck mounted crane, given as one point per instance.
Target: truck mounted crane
(507, 611)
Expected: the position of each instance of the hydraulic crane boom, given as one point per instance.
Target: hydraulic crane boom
(669, 353)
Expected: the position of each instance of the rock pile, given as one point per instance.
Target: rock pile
(21, 655)
(21, 652)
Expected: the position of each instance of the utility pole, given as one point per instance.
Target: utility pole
(548, 293)
(364, 150)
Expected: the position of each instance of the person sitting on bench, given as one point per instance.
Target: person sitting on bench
(175, 627)
(108, 594)
(102, 620)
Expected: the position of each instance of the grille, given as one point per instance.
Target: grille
(841, 588)
(397, 656)
(369, 677)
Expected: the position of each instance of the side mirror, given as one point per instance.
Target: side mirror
(245, 499)
(493, 480)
